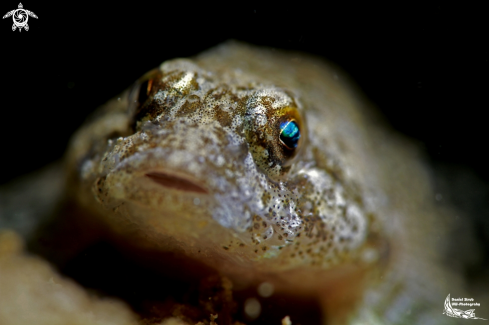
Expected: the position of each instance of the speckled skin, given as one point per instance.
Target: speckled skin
(190, 159)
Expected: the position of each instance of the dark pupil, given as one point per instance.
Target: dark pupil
(290, 134)
(144, 90)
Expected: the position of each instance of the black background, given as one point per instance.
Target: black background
(424, 66)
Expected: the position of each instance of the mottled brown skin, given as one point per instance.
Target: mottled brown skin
(190, 160)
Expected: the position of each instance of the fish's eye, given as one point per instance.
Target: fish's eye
(275, 130)
(142, 88)
(141, 94)
(290, 134)
(144, 91)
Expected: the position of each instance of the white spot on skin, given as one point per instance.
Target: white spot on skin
(261, 120)
(184, 82)
(220, 161)
(257, 238)
(160, 96)
(237, 121)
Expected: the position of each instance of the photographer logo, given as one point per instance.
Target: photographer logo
(20, 17)
(457, 313)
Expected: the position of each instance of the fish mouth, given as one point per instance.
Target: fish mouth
(176, 182)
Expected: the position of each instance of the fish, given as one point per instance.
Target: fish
(268, 167)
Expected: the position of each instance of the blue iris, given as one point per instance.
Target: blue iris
(290, 134)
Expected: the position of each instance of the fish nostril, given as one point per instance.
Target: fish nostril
(175, 182)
